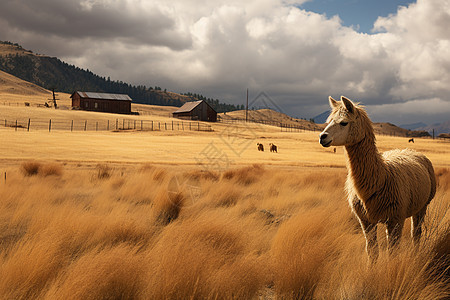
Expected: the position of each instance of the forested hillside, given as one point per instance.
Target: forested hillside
(50, 72)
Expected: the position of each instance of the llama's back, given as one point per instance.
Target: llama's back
(415, 174)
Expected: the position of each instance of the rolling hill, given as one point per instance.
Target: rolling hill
(17, 91)
(50, 72)
(271, 117)
(10, 84)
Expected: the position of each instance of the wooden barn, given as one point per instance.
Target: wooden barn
(196, 110)
(102, 102)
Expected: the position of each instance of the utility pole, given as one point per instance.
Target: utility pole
(54, 98)
(246, 109)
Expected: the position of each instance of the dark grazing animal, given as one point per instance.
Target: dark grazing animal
(273, 148)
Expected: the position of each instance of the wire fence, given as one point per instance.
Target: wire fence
(285, 127)
(103, 125)
(148, 125)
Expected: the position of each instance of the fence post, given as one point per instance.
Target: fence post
(96, 126)
(165, 126)
(142, 123)
(152, 125)
(123, 124)
(50, 125)
(198, 126)
(159, 126)
(117, 123)
(85, 125)
(134, 124)
(172, 125)
(107, 126)
(71, 126)
(28, 127)
(5, 122)
(16, 125)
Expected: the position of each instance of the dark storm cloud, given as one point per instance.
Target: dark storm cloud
(130, 21)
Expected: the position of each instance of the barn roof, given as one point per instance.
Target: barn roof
(188, 106)
(103, 96)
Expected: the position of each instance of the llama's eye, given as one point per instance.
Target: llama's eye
(343, 123)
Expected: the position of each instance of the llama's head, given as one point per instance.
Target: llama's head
(348, 124)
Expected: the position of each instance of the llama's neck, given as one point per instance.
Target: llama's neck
(366, 167)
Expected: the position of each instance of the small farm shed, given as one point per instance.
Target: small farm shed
(196, 110)
(102, 102)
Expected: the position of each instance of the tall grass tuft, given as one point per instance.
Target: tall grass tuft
(115, 273)
(30, 168)
(167, 205)
(103, 171)
(304, 250)
(248, 233)
(52, 169)
(204, 258)
(245, 175)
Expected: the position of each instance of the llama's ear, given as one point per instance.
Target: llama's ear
(348, 104)
(333, 103)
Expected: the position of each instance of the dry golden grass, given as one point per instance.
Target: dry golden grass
(245, 233)
(184, 148)
(130, 215)
(31, 168)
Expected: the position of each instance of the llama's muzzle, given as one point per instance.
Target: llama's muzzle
(323, 140)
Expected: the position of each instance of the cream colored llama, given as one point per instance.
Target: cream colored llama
(382, 188)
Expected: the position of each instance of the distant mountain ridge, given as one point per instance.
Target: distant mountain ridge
(413, 126)
(50, 72)
(322, 118)
(438, 128)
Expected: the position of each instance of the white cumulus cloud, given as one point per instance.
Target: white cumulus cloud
(220, 48)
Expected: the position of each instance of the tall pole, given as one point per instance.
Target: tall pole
(246, 109)
(54, 99)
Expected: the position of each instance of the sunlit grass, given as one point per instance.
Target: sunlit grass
(132, 215)
(245, 233)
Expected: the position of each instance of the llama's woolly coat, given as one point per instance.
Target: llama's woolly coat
(382, 188)
(399, 187)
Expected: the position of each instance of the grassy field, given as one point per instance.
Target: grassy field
(185, 214)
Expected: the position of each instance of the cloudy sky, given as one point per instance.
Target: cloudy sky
(393, 56)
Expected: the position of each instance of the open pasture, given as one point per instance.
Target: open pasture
(227, 146)
(201, 215)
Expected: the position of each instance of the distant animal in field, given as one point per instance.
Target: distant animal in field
(273, 148)
(382, 188)
(260, 147)
(411, 140)
(334, 150)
